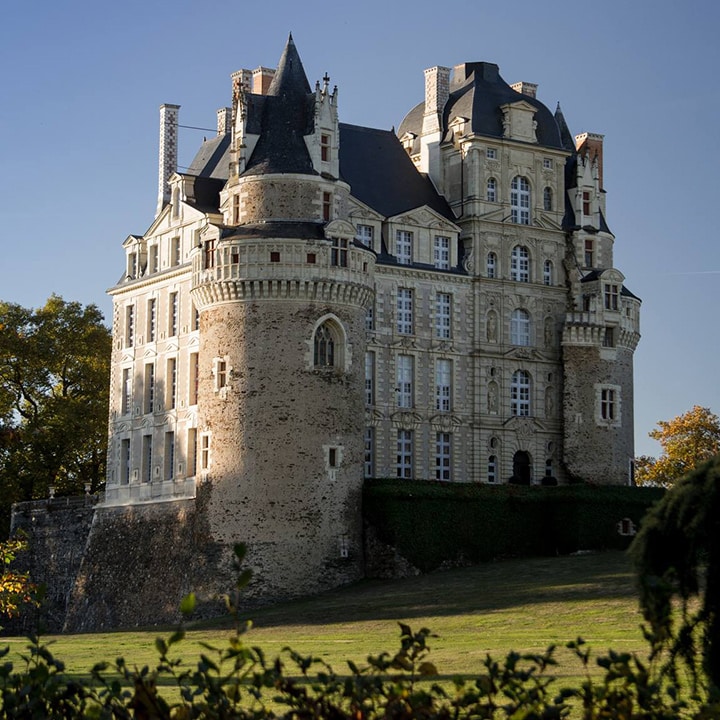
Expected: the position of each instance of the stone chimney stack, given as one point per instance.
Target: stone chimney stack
(525, 88)
(168, 155)
(437, 91)
(261, 79)
(590, 145)
(224, 121)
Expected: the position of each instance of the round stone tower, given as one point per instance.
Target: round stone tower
(281, 289)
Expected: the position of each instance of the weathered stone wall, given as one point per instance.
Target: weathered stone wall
(271, 431)
(289, 197)
(140, 561)
(57, 530)
(595, 450)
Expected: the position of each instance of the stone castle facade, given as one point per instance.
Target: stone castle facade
(316, 303)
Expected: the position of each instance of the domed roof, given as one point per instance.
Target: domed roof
(476, 92)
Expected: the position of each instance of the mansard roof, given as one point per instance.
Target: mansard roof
(477, 91)
(382, 175)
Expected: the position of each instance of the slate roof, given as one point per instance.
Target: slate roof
(287, 116)
(212, 158)
(277, 229)
(476, 92)
(381, 175)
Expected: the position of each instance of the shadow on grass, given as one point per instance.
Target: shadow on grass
(481, 588)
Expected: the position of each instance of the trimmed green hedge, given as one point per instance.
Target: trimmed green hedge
(431, 523)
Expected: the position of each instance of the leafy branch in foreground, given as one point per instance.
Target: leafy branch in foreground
(236, 681)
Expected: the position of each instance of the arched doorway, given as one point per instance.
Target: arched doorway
(521, 468)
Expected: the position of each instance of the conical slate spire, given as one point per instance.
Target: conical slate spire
(286, 118)
(289, 79)
(565, 137)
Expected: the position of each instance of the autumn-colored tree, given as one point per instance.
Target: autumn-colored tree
(687, 441)
(54, 370)
(16, 589)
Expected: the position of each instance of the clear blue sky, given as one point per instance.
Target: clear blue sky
(82, 80)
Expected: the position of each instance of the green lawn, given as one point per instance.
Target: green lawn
(522, 605)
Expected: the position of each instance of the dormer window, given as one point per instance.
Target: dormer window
(586, 202)
(325, 148)
(403, 247)
(339, 252)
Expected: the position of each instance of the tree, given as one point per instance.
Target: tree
(54, 378)
(687, 441)
(677, 553)
(16, 590)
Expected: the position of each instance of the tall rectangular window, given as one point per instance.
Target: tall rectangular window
(612, 293)
(149, 397)
(443, 315)
(405, 311)
(404, 371)
(126, 391)
(171, 384)
(209, 254)
(609, 337)
(369, 378)
(443, 443)
(370, 318)
(151, 319)
(589, 248)
(192, 452)
(404, 464)
(169, 455)
(586, 202)
(129, 326)
(365, 235)
(369, 469)
(175, 256)
(221, 369)
(492, 469)
(443, 385)
(125, 461)
(236, 210)
(204, 451)
(147, 458)
(154, 260)
(194, 378)
(404, 247)
(608, 409)
(327, 206)
(325, 148)
(339, 252)
(173, 312)
(441, 253)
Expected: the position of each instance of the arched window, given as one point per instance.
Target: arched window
(548, 272)
(492, 190)
(520, 327)
(520, 393)
(520, 264)
(547, 198)
(520, 200)
(324, 344)
(491, 265)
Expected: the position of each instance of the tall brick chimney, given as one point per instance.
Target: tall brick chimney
(437, 91)
(261, 79)
(591, 145)
(224, 120)
(168, 155)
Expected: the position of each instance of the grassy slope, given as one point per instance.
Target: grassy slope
(522, 605)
